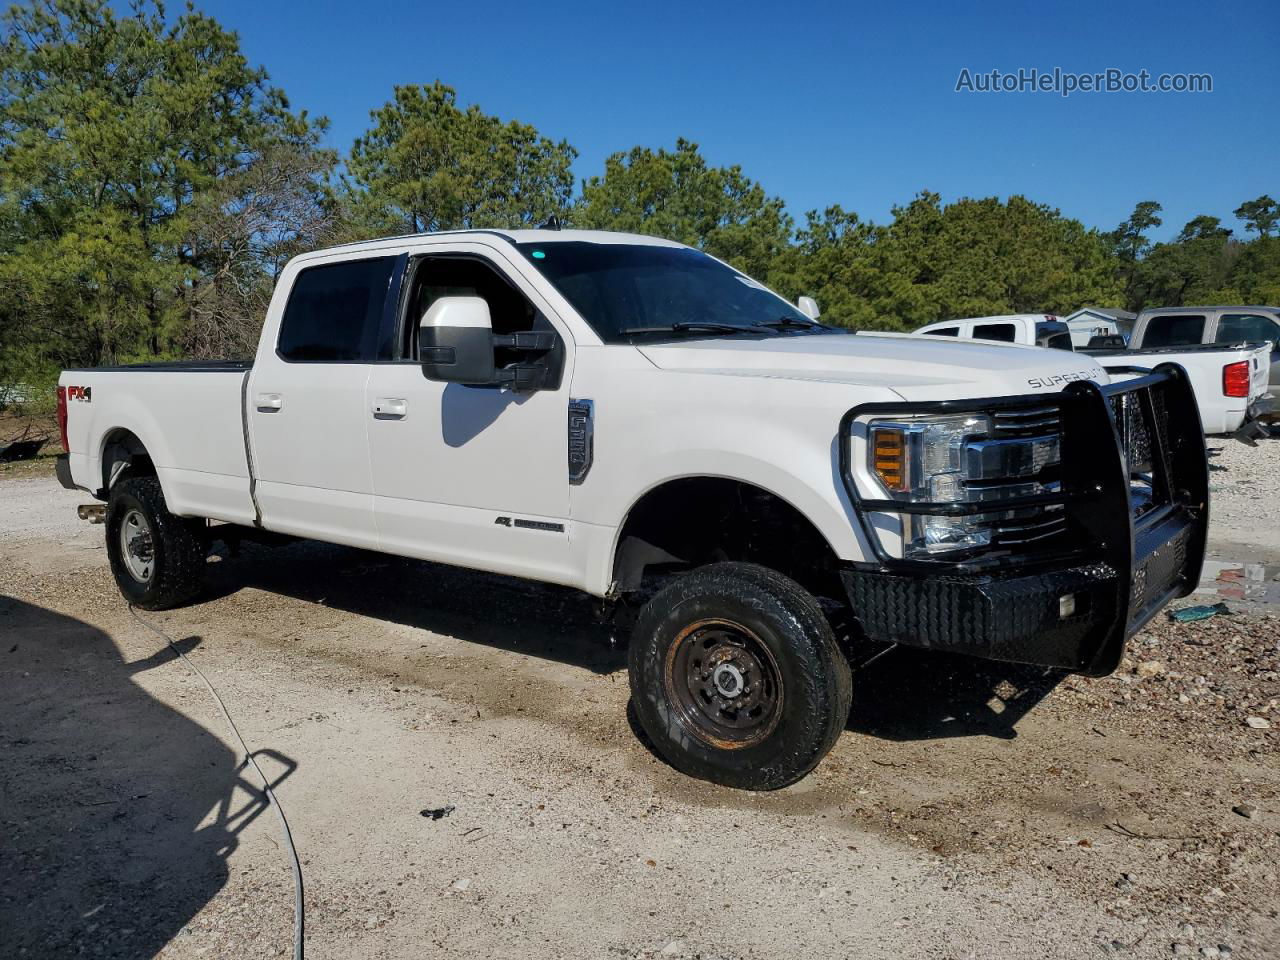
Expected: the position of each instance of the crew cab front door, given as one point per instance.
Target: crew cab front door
(475, 476)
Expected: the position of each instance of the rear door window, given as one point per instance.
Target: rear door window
(1004, 332)
(334, 312)
(944, 332)
(1174, 330)
(1253, 327)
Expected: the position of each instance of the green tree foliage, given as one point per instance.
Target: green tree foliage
(153, 184)
(1130, 238)
(676, 195)
(934, 261)
(426, 164)
(1129, 244)
(1255, 274)
(114, 130)
(1260, 215)
(1197, 266)
(834, 260)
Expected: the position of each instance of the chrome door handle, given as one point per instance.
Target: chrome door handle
(269, 402)
(390, 408)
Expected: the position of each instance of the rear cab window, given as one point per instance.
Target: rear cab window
(1004, 332)
(944, 332)
(1174, 330)
(335, 311)
(1250, 327)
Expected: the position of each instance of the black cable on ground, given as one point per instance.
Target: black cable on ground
(266, 784)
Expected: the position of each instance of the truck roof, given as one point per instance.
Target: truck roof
(1220, 306)
(1033, 317)
(515, 236)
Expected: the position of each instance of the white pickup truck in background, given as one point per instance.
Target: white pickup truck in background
(638, 420)
(1230, 377)
(1180, 327)
(1032, 329)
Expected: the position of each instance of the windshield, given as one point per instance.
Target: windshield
(633, 291)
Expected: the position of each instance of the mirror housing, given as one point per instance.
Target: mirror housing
(455, 341)
(809, 307)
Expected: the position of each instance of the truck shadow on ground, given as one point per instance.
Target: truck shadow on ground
(540, 620)
(925, 695)
(104, 796)
(904, 695)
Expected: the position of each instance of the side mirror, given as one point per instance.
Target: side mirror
(455, 341)
(809, 307)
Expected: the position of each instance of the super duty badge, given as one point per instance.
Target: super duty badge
(1057, 379)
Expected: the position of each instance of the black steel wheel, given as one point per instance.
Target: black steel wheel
(736, 677)
(724, 683)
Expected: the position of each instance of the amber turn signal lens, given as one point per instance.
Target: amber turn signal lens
(889, 457)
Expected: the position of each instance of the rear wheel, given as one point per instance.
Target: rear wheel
(157, 558)
(736, 677)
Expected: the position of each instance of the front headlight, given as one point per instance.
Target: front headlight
(924, 460)
(971, 458)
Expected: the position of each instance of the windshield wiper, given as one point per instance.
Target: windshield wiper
(783, 323)
(692, 326)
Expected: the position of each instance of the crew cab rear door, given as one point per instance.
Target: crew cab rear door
(471, 475)
(305, 406)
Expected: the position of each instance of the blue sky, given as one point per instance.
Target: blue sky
(827, 103)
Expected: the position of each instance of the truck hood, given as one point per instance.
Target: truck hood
(915, 367)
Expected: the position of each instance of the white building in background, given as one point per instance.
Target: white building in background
(1090, 322)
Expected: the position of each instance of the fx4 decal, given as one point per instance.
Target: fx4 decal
(83, 394)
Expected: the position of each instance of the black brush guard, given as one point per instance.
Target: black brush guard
(1134, 493)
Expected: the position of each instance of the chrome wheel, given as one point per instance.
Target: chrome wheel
(137, 546)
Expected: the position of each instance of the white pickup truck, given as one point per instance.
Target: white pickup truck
(640, 421)
(1229, 376)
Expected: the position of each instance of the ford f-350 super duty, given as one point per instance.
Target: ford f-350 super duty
(636, 419)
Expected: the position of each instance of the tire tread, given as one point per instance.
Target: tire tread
(181, 551)
(778, 596)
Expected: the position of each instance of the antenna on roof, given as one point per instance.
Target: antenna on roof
(552, 223)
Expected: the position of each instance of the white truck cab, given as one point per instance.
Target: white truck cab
(636, 419)
(1033, 329)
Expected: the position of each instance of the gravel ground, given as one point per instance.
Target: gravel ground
(1244, 487)
(970, 810)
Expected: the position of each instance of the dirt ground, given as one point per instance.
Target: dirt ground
(970, 810)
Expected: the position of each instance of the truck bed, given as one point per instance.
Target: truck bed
(1204, 363)
(171, 366)
(1162, 351)
(188, 415)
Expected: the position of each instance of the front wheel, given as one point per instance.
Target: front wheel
(157, 558)
(736, 677)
